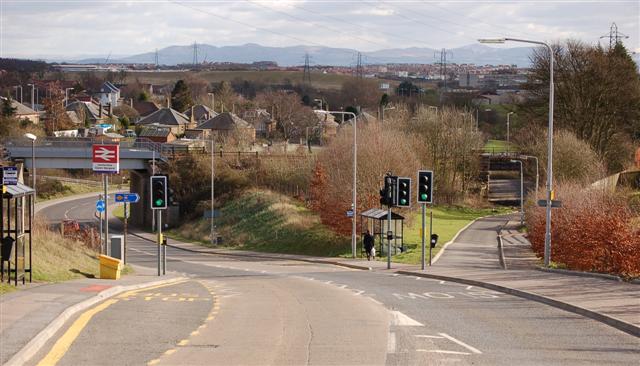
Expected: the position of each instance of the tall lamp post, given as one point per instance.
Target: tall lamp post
(547, 236)
(33, 139)
(521, 191)
(355, 175)
(508, 115)
(33, 88)
(537, 170)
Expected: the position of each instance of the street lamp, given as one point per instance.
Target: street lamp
(33, 139)
(355, 174)
(212, 234)
(16, 88)
(66, 96)
(521, 191)
(32, 96)
(537, 170)
(547, 236)
(508, 114)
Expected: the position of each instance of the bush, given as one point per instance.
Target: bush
(48, 188)
(591, 232)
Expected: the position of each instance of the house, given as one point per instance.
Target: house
(328, 124)
(144, 108)
(167, 117)
(261, 120)
(228, 125)
(108, 94)
(88, 112)
(200, 113)
(158, 134)
(24, 112)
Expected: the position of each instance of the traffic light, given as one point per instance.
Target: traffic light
(425, 186)
(158, 192)
(404, 192)
(388, 193)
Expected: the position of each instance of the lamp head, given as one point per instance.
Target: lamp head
(31, 136)
(492, 40)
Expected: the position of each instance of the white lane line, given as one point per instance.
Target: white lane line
(391, 343)
(472, 349)
(400, 319)
(442, 351)
(442, 282)
(395, 275)
(469, 287)
(427, 336)
(358, 292)
(374, 300)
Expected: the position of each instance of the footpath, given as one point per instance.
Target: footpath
(491, 253)
(34, 313)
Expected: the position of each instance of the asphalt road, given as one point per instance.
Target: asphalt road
(254, 311)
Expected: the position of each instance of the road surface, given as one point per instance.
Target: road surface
(250, 311)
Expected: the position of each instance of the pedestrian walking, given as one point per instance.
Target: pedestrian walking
(368, 245)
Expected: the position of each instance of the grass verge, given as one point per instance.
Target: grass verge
(65, 189)
(269, 222)
(499, 146)
(447, 221)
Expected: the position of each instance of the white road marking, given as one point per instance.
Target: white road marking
(469, 287)
(358, 292)
(442, 351)
(418, 278)
(395, 275)
(427, 336)
(442, 282)
(374, 300)
(472, 349)
(391, 343)
(400, 319)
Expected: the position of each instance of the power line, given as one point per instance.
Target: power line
(443, 65)
(359, 69)
(614, 36)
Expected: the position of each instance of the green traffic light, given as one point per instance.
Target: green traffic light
(159, 202)
(403, 201)
(423, 196)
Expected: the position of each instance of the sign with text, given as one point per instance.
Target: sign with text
(127, 197)
(106, 158)
(9, 176)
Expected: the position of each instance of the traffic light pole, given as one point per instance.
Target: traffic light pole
(430, 233)
(388, 238)
(424, 218)
(159, 226)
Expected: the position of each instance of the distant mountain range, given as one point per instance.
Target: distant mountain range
(291, 56)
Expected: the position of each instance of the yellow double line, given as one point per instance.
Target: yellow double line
(63, 344)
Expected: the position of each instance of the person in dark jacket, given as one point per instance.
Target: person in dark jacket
(368, 245)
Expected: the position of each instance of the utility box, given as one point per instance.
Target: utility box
(110, 267)
(116, 247)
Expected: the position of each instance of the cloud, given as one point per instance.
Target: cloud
(68, 28)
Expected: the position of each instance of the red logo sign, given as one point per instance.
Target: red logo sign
(106, 158)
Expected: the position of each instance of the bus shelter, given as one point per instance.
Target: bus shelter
(375, 220)
(16, 223)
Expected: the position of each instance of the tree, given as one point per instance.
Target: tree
(181, 96)
(407, 89)
(362, 92)
(7, 108)
(291, 115)
(57, 118)
(225, 96)
(597, 96)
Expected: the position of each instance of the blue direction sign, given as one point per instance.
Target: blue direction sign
(350, 213)
(100, 206)
(127, 197)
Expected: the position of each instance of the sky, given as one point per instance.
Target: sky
(79, 28)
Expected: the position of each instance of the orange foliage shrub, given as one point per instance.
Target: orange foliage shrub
(591, 232)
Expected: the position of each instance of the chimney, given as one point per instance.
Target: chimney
(193, 118)
(110, 110)
(168, 102)
(131, 102)
(100, 110)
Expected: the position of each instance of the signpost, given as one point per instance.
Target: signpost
(127, 197)
(100, 206)
(9, 176)
(106, 160)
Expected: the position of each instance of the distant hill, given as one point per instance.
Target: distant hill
(294, 55)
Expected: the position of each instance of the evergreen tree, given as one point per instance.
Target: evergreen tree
(181, 96)
(7, 109)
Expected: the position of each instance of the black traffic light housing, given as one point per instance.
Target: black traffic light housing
(159, 189)
(434, 240)
(425, 186)
(403, 192)
(388, 194)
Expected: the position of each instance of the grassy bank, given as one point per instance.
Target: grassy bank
(269, 222)
(53, 190)
(499, 146)
(57, 259)
(447, 221)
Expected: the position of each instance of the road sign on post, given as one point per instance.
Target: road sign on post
(9, 176)
(100, 206)
(127, 197)
(106, 158)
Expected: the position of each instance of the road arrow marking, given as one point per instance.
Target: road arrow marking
(400, 319)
